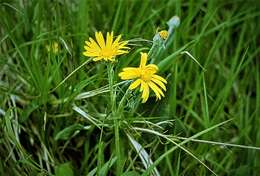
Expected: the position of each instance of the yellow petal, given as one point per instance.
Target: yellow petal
(145, 94)
(152, 67)
(159, 83)
(93, 43)
(123, 47)
(97, 58)
(100, 39)
(109, 39)
(119, 52)
(128, 75)
(122, 44)
(135, 84)
(156, 89)
(143, 60)
(116, 42)
(130, 69)
(159, 78)
(88, 43)
(142, 85)
(112, 59)
(87, 48)
(89, 54)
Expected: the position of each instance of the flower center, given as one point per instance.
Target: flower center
(107, 52)
(146, 74)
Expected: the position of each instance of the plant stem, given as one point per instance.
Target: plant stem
(114, 115)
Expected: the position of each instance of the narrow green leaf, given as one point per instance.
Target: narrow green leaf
(64, 170)
(68, 132)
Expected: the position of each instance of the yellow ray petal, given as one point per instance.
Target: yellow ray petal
(122, 44)
(123, 47)
(142, 85)
(130, 69)
(128, 75)
(88, 43)
(97, 58)
(135, 84)
(100, 39)
(143, 60)
(116, 42)
(145, 94)
(159, 78)
(156, 89)
(112, 59)
(152, 67)
(93, 43)
(109, 39)
(119, 52)
(89, 54)
(159, 83)
(87, 48)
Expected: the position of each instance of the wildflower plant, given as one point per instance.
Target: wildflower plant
(145, 77)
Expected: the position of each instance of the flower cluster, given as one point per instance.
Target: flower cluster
(143, 76)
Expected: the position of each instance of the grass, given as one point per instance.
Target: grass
(62, 114)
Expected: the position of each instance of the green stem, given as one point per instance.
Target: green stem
(114, 115)
(118, 152)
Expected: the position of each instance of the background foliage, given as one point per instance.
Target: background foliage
(56, 132)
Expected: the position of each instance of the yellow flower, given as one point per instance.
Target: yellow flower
(145, 76)
(106, 50)
(163, 34)
(53, 47)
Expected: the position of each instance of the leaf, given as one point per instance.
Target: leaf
(131, 173)
(26, 112)
(68, 132)
(145, 158)
(103, 171)
(64, 169)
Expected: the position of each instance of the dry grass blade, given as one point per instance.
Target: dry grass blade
(145, 158)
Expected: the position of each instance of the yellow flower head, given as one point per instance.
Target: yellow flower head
(106, 50)
(53, 47)
(145, 76)
(163, 34)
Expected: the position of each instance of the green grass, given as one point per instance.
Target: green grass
(87, 123)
